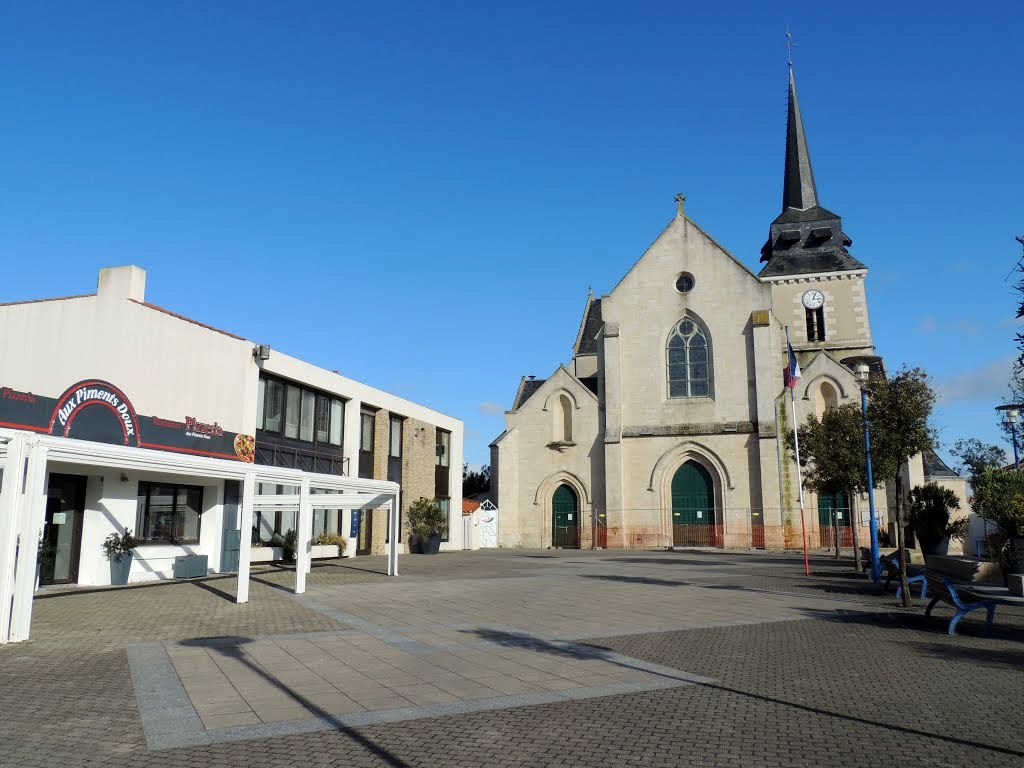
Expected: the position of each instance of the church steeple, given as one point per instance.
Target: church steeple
(798, 189)
(805, 238)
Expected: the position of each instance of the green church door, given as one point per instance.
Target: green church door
(693, 508)
(565, 518)
(832, 510)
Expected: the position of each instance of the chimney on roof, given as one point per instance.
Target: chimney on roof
(122, 283)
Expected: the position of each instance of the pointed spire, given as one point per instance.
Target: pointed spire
(798, 190)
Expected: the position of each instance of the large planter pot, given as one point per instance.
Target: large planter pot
(324, 550)
(266, 554)
(940, 547)
(432, 545)
(119, 569)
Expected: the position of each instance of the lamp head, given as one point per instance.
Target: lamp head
(1012, 411)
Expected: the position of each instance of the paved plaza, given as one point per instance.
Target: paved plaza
(513, 658)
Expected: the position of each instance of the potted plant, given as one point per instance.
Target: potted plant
(928, 514)
(329, 545)
(118, 549)
(287, 543)
(428, 523)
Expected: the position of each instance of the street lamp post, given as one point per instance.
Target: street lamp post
(1012, 412)
(861, 366)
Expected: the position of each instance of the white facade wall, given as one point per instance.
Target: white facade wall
(170, 367)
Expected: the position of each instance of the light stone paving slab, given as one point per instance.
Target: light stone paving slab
(458, 646)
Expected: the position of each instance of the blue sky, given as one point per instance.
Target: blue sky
(419, 195)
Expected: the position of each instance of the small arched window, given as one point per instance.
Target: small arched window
(563, 419)
(689, 361)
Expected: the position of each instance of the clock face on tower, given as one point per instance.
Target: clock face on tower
(813, 299)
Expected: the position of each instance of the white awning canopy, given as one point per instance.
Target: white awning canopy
(23, 506)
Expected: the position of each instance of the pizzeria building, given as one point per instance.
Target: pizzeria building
(117, 415)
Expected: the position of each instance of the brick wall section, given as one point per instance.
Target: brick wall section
(418, 453)
(378, 543)
(418, 447)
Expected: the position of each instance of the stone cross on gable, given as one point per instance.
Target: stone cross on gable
(680, 198)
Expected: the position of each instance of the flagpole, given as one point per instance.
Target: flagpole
(799, 476)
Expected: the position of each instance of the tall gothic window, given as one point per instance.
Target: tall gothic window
(689, 361)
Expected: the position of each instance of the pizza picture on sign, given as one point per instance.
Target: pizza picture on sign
(245, 448)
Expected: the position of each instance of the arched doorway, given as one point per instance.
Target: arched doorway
(694, 523)
(834, 509)
(565, 518)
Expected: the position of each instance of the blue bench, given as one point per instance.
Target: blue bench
(915, 575)
(944, 590)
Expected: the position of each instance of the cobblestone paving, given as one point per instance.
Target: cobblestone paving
(842, 688)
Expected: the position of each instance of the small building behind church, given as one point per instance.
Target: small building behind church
(665, 427)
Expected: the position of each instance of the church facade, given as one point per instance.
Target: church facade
(666, 426)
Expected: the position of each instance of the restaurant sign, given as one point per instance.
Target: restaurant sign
(99, 411)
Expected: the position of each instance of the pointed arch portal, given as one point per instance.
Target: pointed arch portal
(694, 519)
(565, 518)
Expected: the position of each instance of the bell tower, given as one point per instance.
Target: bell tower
(817, 285)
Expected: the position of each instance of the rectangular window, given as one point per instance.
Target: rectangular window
(275, 406)
(395, 438)
(168, 514)
(337, 420)
(293, 399)
(445, 505)
(323, 418)
(261, 396)
(444, 445)
(366, 432)
(306, 418)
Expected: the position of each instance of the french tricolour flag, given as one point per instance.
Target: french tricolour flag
(792, 373)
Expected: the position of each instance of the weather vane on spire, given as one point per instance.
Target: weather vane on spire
(789, 45)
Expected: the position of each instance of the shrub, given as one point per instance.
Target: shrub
(116, 546)
(327, 538)
(929, 509)
(426, 518)
(999, 498)
(287, 542)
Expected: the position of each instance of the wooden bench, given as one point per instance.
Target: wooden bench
(945, 590)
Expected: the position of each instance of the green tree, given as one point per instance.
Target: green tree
(975, 457)
(474, 482)
(832, 456)
(899, 409)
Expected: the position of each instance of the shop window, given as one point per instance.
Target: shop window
(169, 514)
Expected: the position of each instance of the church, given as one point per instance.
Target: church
(666, 427)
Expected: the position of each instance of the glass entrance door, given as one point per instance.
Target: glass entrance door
(62, 534)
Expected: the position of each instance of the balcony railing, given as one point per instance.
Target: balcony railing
(298, 458)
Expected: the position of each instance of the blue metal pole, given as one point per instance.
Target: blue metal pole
(876, 575)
